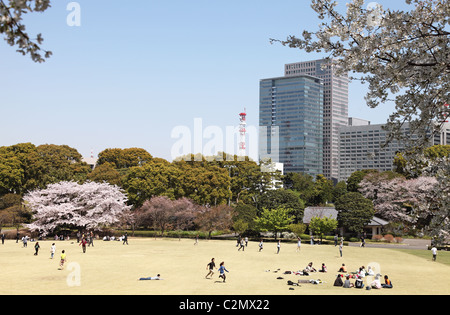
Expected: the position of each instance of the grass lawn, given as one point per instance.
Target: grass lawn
(113, 268)
(442, 257)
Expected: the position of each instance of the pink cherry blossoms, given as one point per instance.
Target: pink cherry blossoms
(69, 204)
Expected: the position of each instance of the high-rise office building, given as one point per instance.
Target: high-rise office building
(291, 121)
(362, 146)
(335, 110)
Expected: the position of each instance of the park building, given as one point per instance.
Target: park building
(374, 227)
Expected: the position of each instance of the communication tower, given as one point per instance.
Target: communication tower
(242, 132)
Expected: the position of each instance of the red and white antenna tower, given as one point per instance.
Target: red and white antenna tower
(242, 132)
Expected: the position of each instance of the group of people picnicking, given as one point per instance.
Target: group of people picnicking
(360, 276)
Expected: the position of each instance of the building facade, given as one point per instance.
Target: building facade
(291, 123)
(362, 146)
(335, 111)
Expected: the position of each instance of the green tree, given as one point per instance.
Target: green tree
(155, 178)
(245, 177)
(58, 163)
(124, 158)
(298, 229)
(274, 220)
(322, 191)
(27, 154)
(301, 183)
(13, 212)
(202, 182)
(240, 226)
(105, 173)
(11, 173)
(245, 213)
(338, 190)
(354, 211)
(289, 199)
(356, 178)
(322, 226)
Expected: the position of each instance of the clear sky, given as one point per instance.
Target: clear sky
(135, 70)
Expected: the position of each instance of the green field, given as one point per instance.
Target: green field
(113, 268)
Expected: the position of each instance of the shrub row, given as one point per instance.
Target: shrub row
(388, 238)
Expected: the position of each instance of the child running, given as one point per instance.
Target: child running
(211, 267)
(222, 270)
(242, 246)
(63, 259)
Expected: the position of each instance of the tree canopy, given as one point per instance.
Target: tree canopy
(354, 211)
(14, 30)
(87, 206)
(274, 220)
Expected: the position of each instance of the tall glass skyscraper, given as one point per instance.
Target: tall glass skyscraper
(335, 111)
(292, 106)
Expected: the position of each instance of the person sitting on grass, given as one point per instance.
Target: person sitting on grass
(343, 268)
(376, 284)
(347, 283)
(362, 272)
(338, 282)
(387, 283)
(324, 268)
(310, 268)
(359, 283)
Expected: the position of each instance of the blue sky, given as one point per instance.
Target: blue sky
(132, 73)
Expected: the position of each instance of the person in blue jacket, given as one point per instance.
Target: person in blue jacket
(222, 270)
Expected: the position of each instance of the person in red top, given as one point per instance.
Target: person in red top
(83, 244)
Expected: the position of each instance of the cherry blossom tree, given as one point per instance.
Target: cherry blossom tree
(87, 206)
(165, 213)
(215, 218)
(400, 199)
(12, 27)
(440, 224)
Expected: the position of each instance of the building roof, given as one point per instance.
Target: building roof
(377, 222)
(321, 212)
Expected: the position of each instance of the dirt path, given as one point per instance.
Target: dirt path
(406, 244)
